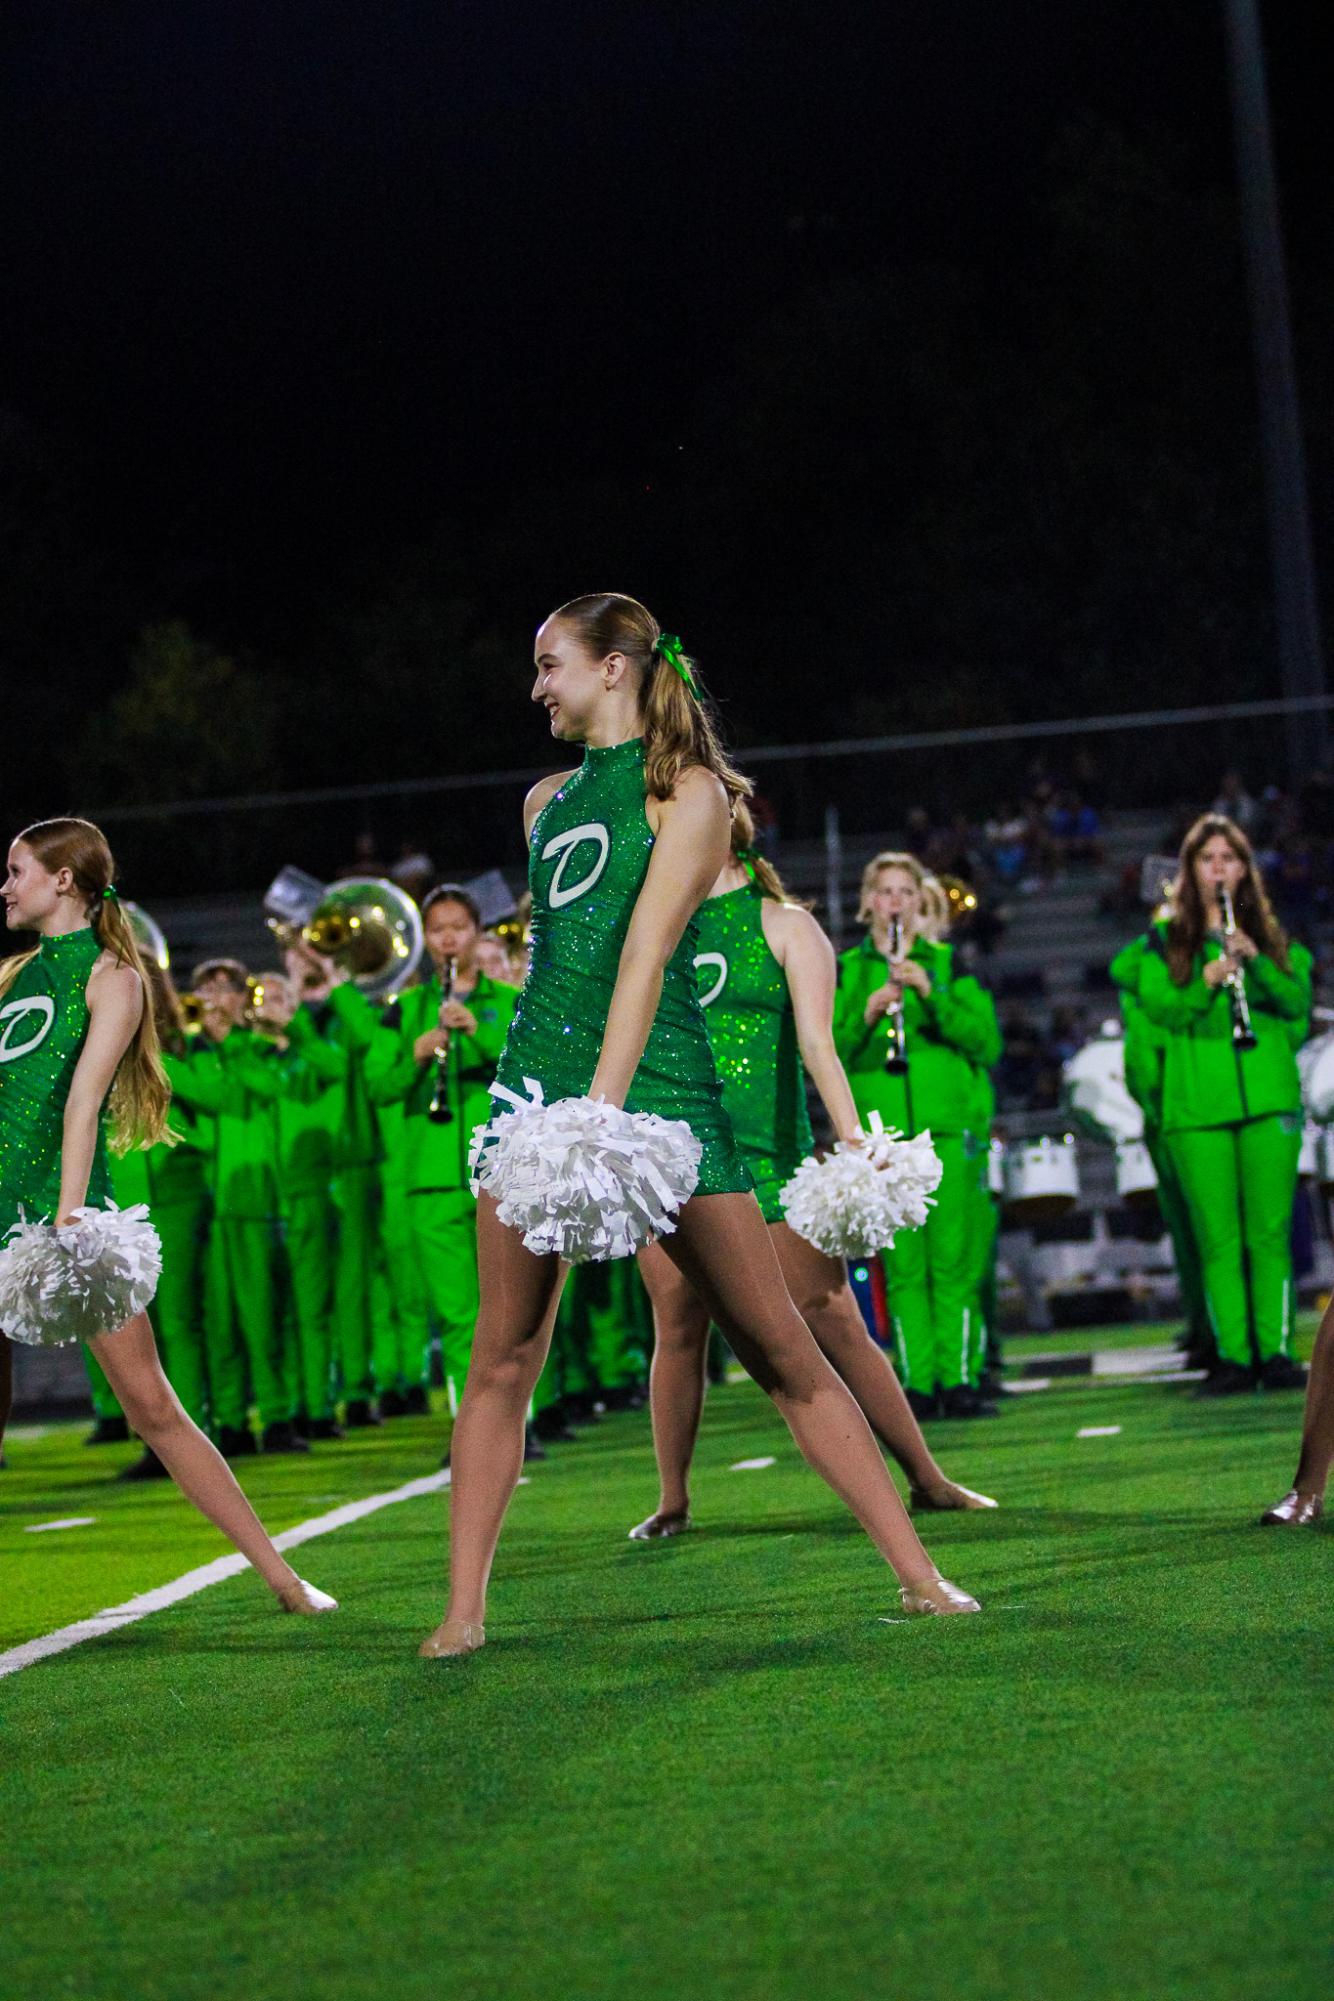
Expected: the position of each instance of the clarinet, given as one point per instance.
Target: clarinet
(439, 1112)
(1243, 1035)
(896, 1054)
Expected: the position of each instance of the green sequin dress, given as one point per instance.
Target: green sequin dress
(589, 854)
(753, 1030)
(43, 1022)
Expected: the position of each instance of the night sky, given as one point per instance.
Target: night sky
(287, 284)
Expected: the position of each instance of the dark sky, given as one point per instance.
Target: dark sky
(285, 282)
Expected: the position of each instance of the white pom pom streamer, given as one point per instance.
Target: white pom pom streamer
(585, 1179)
(855, 1201)
(68, 1282)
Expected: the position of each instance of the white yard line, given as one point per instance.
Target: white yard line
(69, 1522)
(194, 1581)
(751, 1465)
(1099, 1431)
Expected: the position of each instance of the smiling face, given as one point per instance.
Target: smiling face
(450, 933)
(1218, 866)
(896, 894)
(570, 682)
(32, 894)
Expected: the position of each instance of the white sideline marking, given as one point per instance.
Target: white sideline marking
(198, 1580)
(70, 1522)
(1099, 1431)
(751, 1465)
(1023, 1384)
(28, 1431)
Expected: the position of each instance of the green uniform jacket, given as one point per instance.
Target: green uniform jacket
(1206, 1080)
(237, 1082)
(1145, 1041)
(161, 1175)
(436, 1156)
(950, 1034)
(314, 1070)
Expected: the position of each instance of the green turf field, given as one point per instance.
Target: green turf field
(714, 1768)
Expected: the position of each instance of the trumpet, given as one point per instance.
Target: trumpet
(258, 993)
(896, 1053)
(1243, 1034)
(439, 1111)
(193, 1011)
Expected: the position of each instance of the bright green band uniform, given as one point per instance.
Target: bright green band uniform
(43, 1023)
(1145, 1054)
(753, 1032)
(950, 1033)
(590, 851)
(1232, 1121)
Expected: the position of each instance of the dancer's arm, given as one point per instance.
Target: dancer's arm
(811, 970)
(115, 1004)
(691, 846)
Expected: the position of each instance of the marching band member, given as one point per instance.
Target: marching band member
(622, 851)
(913, 1033)
(1233, 995)
(94, 1054)
(436, 1054)
(767, 977)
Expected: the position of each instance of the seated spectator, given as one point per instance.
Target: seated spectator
(413, 871)
(1075, 827)
(1236, 802)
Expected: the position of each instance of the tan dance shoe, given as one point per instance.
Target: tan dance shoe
(453, 1638)
(1295, 1510)
(935, 1597)
(948, 1498)
(305, 1598)
(659, 1526)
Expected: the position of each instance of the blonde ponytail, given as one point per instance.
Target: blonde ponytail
(140, 1095)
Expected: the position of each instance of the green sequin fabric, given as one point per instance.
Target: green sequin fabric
(753, 1032)
(43, 1023)
(590, 852)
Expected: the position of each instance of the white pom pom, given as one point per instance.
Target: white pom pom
(586, 1179)
(69, 1282)
(853, 1203)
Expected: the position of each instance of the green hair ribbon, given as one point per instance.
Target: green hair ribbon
(667, 646)
(111, 893)
(746, 858)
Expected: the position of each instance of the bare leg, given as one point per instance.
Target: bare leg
(519, 1297)
(821, 1293)
(676, 1386)
(1305, 1502)
(130, 1359)
(723, 1247)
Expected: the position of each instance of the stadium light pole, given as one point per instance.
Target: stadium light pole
(1296, 604)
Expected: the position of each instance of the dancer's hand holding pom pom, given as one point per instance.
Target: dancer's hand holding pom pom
(585, 1179)
(62, 1282)
(852, 1203)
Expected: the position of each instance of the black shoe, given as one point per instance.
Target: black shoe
(549, 1425)
(962, 1401)
(417, 1401)
(630, 1396)
(1226, 1379)
(108, 1431)
(281, 1436)
(1281, 1373)
(922, 1404)
(236, 1442)
(532, 1447)
(359, 1413)
(580, 1409)
(393, 1404)
(150, 1467)
(319, 1427)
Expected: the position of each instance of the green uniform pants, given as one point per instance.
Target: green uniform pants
(1239, 1182)
(932, 1276)
(1185, 1251)
(310, 1230)
(444, 1237)
(356, 1199)
(984, 1232)
(402, 1339)
(241, 1323)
